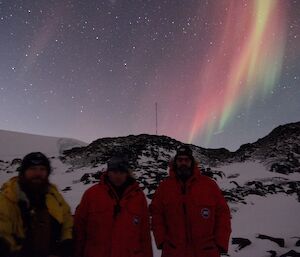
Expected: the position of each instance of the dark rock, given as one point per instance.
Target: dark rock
(241, 242)
(85, 177)
(67, 189)
(279, 241)
(273, 253)
(281, 168)
(291, 253)
(233, 176)
(16, 161)
(97, 175)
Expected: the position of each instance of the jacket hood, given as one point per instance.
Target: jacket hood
(133, 187)
(196, 171)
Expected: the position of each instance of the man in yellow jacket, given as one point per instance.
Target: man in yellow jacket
(35, 220)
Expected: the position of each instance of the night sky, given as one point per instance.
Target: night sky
(223, 72)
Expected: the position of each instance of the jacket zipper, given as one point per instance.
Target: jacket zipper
(185, 213)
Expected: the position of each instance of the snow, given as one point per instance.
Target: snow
(267, 215)
(275, 215)
(249, 171)
(18, 144)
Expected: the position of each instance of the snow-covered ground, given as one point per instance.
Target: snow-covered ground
(249, 171)
(273, 213)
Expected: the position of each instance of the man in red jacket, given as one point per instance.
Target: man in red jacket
(112, 219)
(190, 216)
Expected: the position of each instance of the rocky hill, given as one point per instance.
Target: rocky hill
(261, 181)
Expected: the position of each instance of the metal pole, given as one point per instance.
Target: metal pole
(156, 120)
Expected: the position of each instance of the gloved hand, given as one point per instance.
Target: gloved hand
(4, 248)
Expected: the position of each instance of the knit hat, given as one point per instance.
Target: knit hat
(118, 163)
(34, 159)
(184, 150)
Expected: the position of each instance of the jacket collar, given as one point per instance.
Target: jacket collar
(131, 189)
(12, 191)
(196, 174)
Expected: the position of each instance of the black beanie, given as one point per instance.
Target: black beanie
(118, 163)
(184, 150)
(34, 159)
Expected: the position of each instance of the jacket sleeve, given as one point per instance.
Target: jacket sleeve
(146, 235)
(80, 225)
(6, 224)
(157, 215)
(222, 229)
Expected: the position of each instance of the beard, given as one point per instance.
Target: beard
(34, 186)
(184, 172)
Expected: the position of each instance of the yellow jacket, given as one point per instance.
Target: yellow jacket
(11, 223)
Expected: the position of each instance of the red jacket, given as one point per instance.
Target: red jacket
(99, 233)
(191, 220)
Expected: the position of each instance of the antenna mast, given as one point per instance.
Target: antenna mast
(156, 120)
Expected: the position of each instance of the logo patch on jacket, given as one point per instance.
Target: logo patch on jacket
(136, 220)
(205, 212)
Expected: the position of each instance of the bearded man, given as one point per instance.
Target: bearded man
(35, 220)
(190, 216)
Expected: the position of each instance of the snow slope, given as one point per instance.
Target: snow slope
(16, 144)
